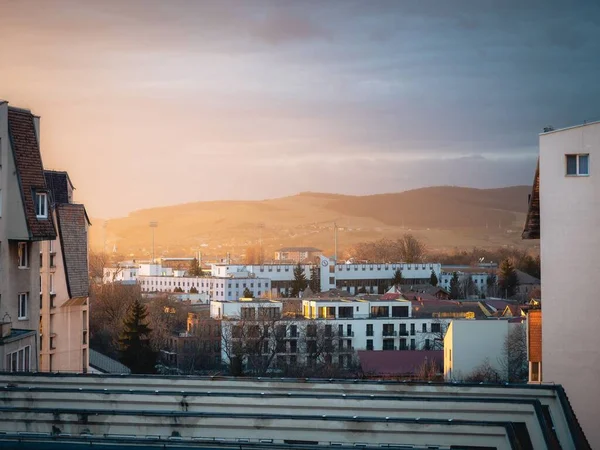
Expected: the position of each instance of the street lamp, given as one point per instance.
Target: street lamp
(153, 225)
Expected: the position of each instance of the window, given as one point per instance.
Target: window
(436, 327)
(52, 249)
(41, 205)
(424, 328)
(23, 297)
(23, 256)
(578, 165)
(369, 344)
(51, 284)
(19, 361)
(369, 329)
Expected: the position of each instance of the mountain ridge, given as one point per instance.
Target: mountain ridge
(443, 216)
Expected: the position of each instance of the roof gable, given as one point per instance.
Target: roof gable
(72, 223)
(532, 223)
(58, 184)
(30, 171)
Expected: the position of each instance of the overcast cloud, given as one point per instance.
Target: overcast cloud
(151, 103)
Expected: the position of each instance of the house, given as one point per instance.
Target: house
(64, 309)
(25, 222)
(99, 363)
(472, 344)
(297, 254)
(564, 213)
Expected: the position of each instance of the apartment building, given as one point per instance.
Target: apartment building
(328, 329)
(64, 283)
(297, 254)
(352, 278)
(25, 222)
(564, 212)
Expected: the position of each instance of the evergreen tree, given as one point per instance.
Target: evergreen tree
(195, 270)
(315, 280)
(247, 293)
(508, 280)
(454, 287)
(299, 282)
(433, 279)
(397, 278)
(136, 352)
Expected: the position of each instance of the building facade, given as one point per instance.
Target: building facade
(25, 222)
(564, 213)
(64, 290)
(297, 254)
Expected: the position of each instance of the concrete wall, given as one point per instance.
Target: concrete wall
(64, 324)
(15, 280)
(570, 248)
(470, 343)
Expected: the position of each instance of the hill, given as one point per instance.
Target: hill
(444, 217)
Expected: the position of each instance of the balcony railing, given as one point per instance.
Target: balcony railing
(389, 333)
(403, 333)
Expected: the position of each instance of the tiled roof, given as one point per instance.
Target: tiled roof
(105, 364)
(525, 278)
(532, 223)
(72, 224)
(403, 362)
(30, 170)
(58, 184)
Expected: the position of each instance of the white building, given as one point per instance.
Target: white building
(215, 288)
(565, 213)
(351, 324)
(479, 279)
(372, 277)
(469, 344)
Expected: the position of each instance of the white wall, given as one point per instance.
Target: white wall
(469, 343)
(570, 248)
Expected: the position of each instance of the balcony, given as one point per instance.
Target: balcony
(389, 333)
(403, 333)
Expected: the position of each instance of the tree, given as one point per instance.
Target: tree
(247, 293)
(397, 278)
(454, 287)
(166, 317)
(193, 290)
(195, 270)
(508, 280)
(433, 279)
(136, 350)
(254, 255)
(492, 285)
(514, 359)
(299, 282)
(484, 373)
(109, 303)
(315, 279)
(411, 249)
(468, 287)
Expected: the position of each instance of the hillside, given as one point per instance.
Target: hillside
(444, 217)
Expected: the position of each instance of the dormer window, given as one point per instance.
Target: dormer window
(41, 205)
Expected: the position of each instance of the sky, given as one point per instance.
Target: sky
(148, 103)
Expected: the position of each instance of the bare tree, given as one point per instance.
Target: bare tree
(468, 287)
(484, 373)
(411, 249)
(167, 317)
(252, 342)
(514, 358)
(433, 338)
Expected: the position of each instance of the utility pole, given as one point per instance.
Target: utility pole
(335, 242)
(153, 225)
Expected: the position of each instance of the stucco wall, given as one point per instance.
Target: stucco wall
(570, 250)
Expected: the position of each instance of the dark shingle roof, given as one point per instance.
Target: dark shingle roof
(58, 184)
(72, 223)
(105, 364)
(30, 170)
(532, 223)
